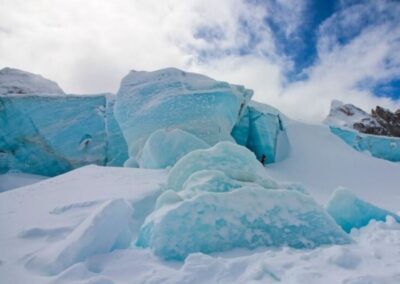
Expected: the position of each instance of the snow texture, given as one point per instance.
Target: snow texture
(165, 147)
(11, 180)
(106, 229)
(351, 212)
(14, 81)
(235, 161)
(248, 217)
(174, 99)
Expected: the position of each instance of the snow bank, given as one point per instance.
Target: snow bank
(106, 229)
(248, 217)
(165, 147)
(235, 161)
(14, 81)
(351, 212)
(13, 180)
(174, 99)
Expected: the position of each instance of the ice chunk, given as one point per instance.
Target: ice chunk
(383, 147)
(247, 217)
(106, 229)
(261, 129)
(351, 212)
(165, 147)
(117, 149)
(14, 81)
(174, 99)
(209, 181)
(235, 161)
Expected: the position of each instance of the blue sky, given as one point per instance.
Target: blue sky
(297, 55)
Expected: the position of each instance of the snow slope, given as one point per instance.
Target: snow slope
(13, 180)
(40, 217)
(321, 161)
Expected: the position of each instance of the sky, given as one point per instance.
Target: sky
(296, 55)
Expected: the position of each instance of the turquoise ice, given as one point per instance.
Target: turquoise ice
(349, 211)
(173, 99)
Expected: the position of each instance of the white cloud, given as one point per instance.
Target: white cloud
(88, 46)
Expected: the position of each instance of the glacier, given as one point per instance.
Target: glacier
(14, 81)
(262, 130)
(383, 147)
(48, 135)
(350, 212)
(174, 99)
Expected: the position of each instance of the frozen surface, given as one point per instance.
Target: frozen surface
(322, 162)
(14, 81)
(57, 206)
(235, 161)
(165, 147)
(383, 147)
(247, 217)
(11, 180)
(351, 212)
(174, 99)
(49, 135)
(261, 129)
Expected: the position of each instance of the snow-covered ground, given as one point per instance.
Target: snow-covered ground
(13, 180)
(64, 229)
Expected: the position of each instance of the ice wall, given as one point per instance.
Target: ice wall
(174, 99)
(49, 135)
(262, 130)
(383, 147)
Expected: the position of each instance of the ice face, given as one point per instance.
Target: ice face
(49, 135)
(383, 147)
(174, 99)
(165, 147)
(261, 130)
(247, 217)
(235, 161)
(350, 211)
(14, 81)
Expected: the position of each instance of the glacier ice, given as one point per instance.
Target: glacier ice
(174, 99)
(165, 147)
(349, 211)
(261, 129)
(247, 217)
(236, 161)
(106, 229)
(383, 147)
(14, 81)
(49, 135)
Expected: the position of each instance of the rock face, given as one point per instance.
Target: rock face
(380, 122)
(14, 81)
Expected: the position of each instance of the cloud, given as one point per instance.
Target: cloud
(88, 46)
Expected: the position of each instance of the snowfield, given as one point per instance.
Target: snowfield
(80, 227)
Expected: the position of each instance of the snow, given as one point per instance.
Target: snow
(165, 147)
(174, 99)
(14, 81)
(11, 180)
(247, 217)
(235, 161)
(322, 162)
(351, 212)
